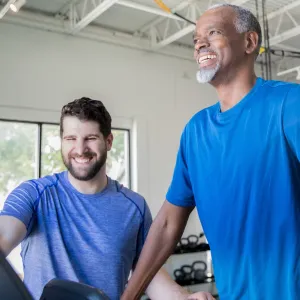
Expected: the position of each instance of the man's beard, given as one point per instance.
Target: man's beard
(89, 172)
(207, 75)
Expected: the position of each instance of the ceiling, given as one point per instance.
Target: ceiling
(142, 24)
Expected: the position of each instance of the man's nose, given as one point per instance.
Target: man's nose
(201, 44)
(80, 147)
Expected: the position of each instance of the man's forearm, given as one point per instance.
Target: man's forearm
(161, 247)
(163, 287)
(161, 241)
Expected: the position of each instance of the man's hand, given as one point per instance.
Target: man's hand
(201, 296)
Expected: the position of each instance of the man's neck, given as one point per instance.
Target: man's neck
(235, 89)
(93, 186)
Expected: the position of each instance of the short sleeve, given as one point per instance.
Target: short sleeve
(20, 203)
(291, 120)
(180, 191)
(143, 232)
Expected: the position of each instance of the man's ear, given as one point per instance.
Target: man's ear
(251, 42)
(109, 141)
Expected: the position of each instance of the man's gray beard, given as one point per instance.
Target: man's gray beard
(207, 75)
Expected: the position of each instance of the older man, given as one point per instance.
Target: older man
(239, 164)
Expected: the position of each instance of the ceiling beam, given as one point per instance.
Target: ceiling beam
(295, 69)
(283, 9)
(148, 9)
(95, 33)
(177, 8)
(91, 16)
(286, 35)
(279, 38)
(174, 37)
(5, 8)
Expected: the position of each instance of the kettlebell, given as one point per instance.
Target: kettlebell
(193, 242)
(199, 270)
(188, 273)
(179, 276)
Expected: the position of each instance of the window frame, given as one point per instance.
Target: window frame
(39, 143)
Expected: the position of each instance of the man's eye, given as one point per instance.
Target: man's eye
(213, 32)
(91, 138)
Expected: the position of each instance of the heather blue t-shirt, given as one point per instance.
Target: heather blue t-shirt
(94, 239)
(241, 169)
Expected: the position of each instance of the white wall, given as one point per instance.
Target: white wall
(154, 94)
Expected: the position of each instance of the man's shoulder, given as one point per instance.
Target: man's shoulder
(276, 86)
(130, 195)
(279, 93)
(46, 181)
(40, 184)
(32, 189)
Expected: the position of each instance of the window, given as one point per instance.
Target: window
(32, 150)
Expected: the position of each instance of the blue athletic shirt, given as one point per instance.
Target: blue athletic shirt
(241, 169)
(94, 239)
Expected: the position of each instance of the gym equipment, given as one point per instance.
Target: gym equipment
(192, 274)
(179, 276)
(182, 246)
(57, 289)
(199, 270)
(184, 275)
(191, 244)
(12, 287)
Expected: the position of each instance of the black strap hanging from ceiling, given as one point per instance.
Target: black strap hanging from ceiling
(262, 63)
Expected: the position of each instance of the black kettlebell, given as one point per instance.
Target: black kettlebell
(193, 242)
(184, 244)
(188, 273)
(199, 270)
(179, 276)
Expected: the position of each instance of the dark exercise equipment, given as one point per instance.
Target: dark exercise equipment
(191, 244)
(192, 274)
(12, 287)
(199, 269)
(57, 289)
(184, 275)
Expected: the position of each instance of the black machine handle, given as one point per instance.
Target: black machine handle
(58, 289)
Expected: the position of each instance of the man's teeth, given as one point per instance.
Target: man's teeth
(81, 160)
(205, 58)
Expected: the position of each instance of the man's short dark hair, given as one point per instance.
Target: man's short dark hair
(87, 109)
